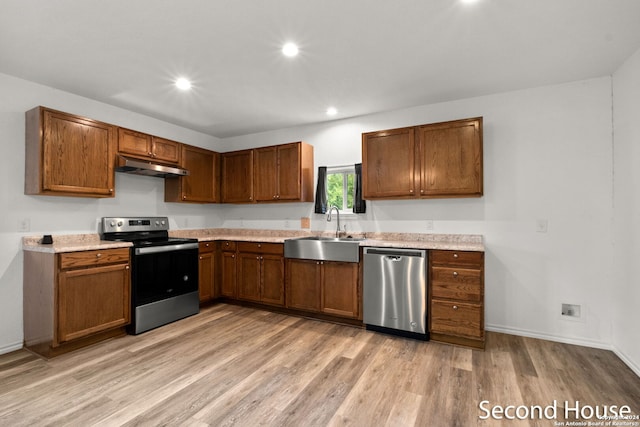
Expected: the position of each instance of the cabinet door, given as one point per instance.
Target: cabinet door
(303, 284)
(248, 279)
(340, 289)
(91, 300)
(205, 276)
(165, 150)
(265, 174)
(272, 291)
(289, 176)
(388, 164)
(451, 158)
(134, 143)
(78, 156)
(202, 183)
(237, 177)
(228, 285)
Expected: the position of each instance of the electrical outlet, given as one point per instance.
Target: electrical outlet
(571, 310)
(24, 225)
(542, 225)
(287, 224)
(428, 225)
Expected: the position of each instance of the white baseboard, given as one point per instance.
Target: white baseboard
(634, 367)
(11, 347)
(549, 337)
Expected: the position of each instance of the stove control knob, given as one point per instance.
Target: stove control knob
(119, 223)
(112, 223)
(157, 223)
(162, 222)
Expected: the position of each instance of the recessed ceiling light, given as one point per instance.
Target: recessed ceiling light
(331, 111)
(183, 84)
(290, 50)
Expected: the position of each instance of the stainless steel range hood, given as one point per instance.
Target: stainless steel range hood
(142, 167)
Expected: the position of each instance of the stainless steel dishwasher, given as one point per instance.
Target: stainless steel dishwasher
(395, 291)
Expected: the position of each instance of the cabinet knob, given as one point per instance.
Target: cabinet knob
(455, 274)
(111, 190)
(455, 307)
(250, 197)
(126, 267)
(257, 257)
(206, 245)
(98, 255)
(233, 256)
(201, 258)
(455, 255)
(149, 153)
(411, 191)
(259, 245)
(184, 197)
(421, 191)
(261, 258)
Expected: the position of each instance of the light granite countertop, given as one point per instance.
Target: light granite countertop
(458, 242)
(87, 242)
(70, 243)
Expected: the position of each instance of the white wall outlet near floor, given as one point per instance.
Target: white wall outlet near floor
(571, 310)
(542, 225)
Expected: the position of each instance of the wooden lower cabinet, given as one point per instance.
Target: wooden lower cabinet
(260, 272)
(302, 284)
(456, 297)
(323, 287)
(206, 271)
(228, 269)
(73, 296)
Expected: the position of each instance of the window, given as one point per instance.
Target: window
(340, 183)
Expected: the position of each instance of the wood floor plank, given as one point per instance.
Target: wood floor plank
(232, 365)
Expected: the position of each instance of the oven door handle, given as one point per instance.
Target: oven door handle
(166, 248)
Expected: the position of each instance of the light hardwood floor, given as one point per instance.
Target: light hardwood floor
(232, 365)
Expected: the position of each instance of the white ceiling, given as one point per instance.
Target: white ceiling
(361, 56)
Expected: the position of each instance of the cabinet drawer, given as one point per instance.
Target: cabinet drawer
(263, 248)
(457, 257)
(205, 247)
(456, 283)
(228, 245)
(455, 318)
(93, 258)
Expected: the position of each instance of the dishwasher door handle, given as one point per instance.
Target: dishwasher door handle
(393, 258)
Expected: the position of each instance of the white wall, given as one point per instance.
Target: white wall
(625, 285)
(135, 195)
(547, 155)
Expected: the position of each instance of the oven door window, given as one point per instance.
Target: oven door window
(164, 275)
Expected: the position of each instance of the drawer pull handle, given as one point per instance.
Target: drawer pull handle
(455, 274)
(455, 307)
(98, 255)
(455, 255)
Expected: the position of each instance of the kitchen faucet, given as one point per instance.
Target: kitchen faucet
(329, 219)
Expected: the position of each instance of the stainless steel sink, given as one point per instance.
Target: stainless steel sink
(345, 249)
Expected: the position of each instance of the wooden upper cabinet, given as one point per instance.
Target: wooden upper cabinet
(148, 147)
(388, 163)
(237, 177)
(451, 158)
(202, 183)
(284, 173)
(265, 169)
(68, 155)
(436, 160)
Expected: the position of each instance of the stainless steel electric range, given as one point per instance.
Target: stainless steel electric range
(164, 271)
